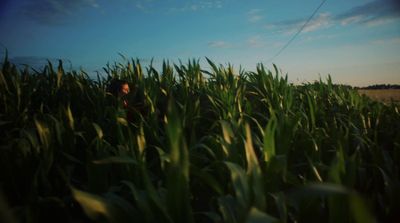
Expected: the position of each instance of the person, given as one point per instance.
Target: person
(120, 89)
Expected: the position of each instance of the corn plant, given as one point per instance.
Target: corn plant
(212, 145)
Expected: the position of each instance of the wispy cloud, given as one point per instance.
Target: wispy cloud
(219, 44)
(322, 20)
(175, 6)
(146, 6)
(254, 15)
(387, 41)
(193, 6)
(255, 41)
(373, 13)
(319, 37)
(140, 6)
(54, 12)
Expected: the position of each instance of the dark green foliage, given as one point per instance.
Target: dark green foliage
(210, 146)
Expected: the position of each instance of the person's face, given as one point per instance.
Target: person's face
(124, 89)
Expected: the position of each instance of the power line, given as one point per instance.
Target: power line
(297, 33)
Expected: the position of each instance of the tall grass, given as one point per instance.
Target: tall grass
(214, 145)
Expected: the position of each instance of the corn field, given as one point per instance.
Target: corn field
(214, 145)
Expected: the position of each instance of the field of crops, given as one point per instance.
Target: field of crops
(382, 95)
(213, 145)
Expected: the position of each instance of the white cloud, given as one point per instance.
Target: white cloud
(54, 12)
(324, 20)
(196, 6)
(350, 20)
(255, 18)
(254, 15)
(140, 6)
(376, 12)
(94, 3)
(219, 44)
(380, 21)
(366, 20)
(319, 37)
(387, 41)
(373, 13)
(254, 11)
(255, 41)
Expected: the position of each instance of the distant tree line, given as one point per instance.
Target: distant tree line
(370, 87)
(380, 86)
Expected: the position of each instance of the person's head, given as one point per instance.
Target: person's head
(124, 89)
(118, 87)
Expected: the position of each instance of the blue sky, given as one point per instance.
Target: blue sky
(357, 42)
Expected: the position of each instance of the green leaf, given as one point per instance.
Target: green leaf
(254, 171)
(319, 189)
(60, 73)
(240, 183)
(100, 209)
(361, 213)
(257, 216)
(98, 130)
(269, 137)
(116, 160)
(228, 208)
(70, 117)
(178, 171)
(95, 207)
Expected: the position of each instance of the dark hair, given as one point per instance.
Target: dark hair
(115, 86)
